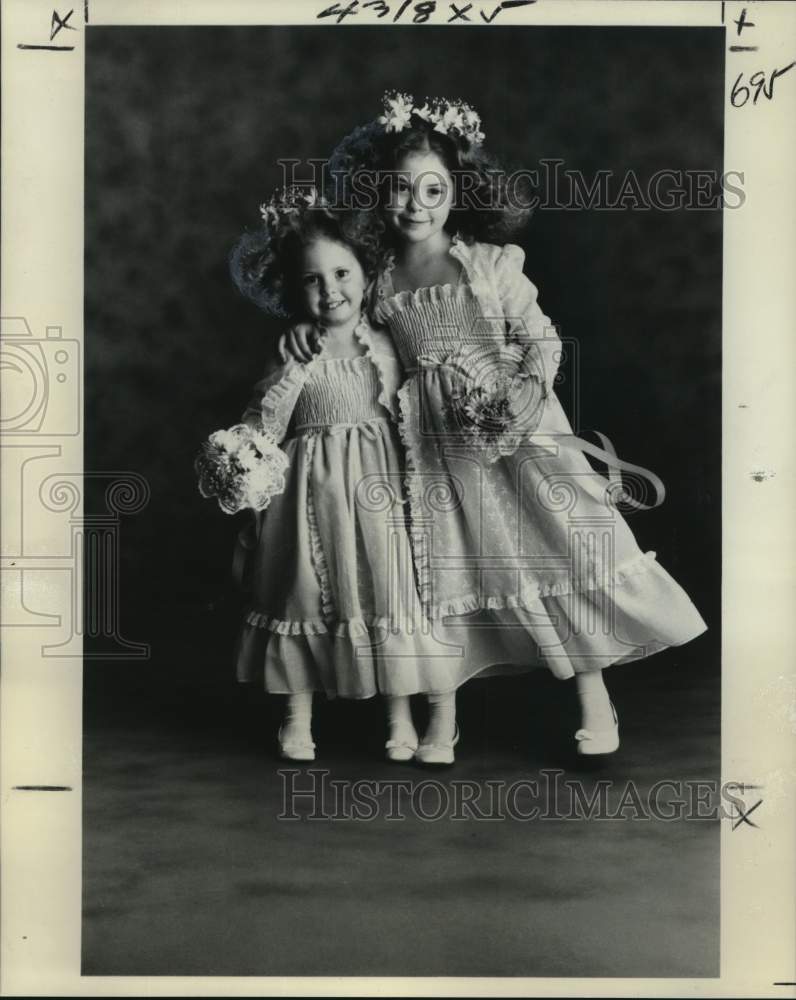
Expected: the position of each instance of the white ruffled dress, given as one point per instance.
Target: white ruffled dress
(530, 546)
(334, 600)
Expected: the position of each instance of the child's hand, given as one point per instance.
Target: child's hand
(301, 343)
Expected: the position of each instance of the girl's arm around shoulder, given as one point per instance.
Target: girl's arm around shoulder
(301, 342)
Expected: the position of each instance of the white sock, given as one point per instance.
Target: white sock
(442, 718)
(297, 721)
(595, 703)
(399, 716)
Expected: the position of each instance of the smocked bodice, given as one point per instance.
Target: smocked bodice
(435, 322)
(338, 391)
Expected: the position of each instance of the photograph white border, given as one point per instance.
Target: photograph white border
(41, 698)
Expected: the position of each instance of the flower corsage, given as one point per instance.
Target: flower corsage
(493, 401)
(242, 467)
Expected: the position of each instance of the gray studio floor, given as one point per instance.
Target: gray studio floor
(188, 870)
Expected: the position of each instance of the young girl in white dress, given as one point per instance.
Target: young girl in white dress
(529, 541)
(334, 604)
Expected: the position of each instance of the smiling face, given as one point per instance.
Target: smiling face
(332, 282)
(421, 199)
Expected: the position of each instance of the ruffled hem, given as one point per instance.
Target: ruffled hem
(379, 660)
(566, 634)
(471, 602)
(353, 628)
(583, 630)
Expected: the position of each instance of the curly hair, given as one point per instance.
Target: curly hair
(265, 264)
(490, 204)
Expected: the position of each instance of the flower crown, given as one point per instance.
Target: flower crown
(288, 202)
(453, 118)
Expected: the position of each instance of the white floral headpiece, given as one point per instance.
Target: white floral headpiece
(290, 201)
(454, 118)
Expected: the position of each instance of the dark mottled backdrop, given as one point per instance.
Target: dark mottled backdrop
(183, 128)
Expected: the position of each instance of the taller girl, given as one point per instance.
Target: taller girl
(514, 531)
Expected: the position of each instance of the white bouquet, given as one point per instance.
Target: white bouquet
(242, 467)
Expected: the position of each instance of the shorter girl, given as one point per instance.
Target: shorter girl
(334, 602)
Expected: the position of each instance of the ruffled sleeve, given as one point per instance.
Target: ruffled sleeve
(274, 399)
(526, 324)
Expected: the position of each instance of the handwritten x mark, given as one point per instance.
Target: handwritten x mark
(59, 22)
(743, 817)
(459, 13)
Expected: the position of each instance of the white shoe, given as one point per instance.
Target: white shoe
(597, 741)
(400, 751)
(295, 749)
(437, 753)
